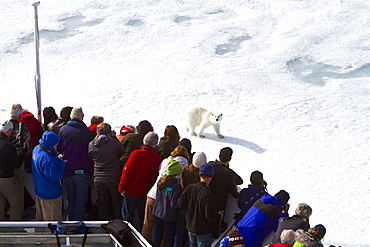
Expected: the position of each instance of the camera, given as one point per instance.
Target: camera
(62, 157)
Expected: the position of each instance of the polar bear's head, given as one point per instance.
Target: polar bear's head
(215, 118)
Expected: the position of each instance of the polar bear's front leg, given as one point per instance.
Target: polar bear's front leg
(190, 128)
(200, 131)
(217, 130)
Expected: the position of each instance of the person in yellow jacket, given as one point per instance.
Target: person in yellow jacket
(311, 238)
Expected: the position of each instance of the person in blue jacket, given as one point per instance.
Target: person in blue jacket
(263, 217)
(48, 175)
(166, 208)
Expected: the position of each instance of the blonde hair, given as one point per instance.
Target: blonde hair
(162, 180)
(104, 126)
(180, 151)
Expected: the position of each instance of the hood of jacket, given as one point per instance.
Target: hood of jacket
(271, 200)
(48, 140)
(305, 239)
(101, 140)
(182, 160)
(76, 123)
(168, 183)
(26, 116)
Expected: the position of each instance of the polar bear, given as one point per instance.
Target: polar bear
(202, 118)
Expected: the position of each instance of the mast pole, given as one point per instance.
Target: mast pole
(37, 74)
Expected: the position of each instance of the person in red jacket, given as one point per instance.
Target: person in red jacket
(126, 129)
(36, 130)
(95, 120)
(138, 176)
(34, 126)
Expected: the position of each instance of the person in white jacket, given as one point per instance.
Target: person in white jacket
(179, 154)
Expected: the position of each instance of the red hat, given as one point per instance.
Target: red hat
(125, 130)
(235, 239)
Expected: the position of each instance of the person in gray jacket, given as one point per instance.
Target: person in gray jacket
(106, 150)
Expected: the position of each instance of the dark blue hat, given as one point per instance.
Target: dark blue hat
(206, 170)
(283, 197)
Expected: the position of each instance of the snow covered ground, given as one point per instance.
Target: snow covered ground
(292, 79)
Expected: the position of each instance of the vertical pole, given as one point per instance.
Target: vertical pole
(37, 74)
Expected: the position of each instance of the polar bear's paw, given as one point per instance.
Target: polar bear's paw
(220, 136)
(201, 136)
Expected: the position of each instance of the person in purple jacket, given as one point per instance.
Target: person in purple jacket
(74, 141)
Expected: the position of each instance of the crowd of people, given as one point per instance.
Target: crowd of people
(179, 196)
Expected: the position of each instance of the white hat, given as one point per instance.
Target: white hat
(77, 113)
(6, 125)
(199, 159)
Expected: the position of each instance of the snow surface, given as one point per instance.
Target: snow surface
(292, 79)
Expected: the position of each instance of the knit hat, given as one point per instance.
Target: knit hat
(151, 139)
(199, 159)
(318, 232)
(77, 113)
(6, 125)
(127, 129)
(206, 170)
(173, 168)
(16, 111)
(257, 178)
(235, 239)
(65, 113)
(283, 197)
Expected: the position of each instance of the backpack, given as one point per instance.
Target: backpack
(120, 230)
(69, 228)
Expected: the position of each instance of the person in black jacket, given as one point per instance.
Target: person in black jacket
(106, 150)
(9, 185)
(60, 121)
(298, 221)
(168, 142)
(248, 196)
(200, 206)
(223, 183)
(49, 115)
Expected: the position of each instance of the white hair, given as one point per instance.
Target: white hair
(303, 210)
(151, 139)
(16, 111)
(287, 236)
